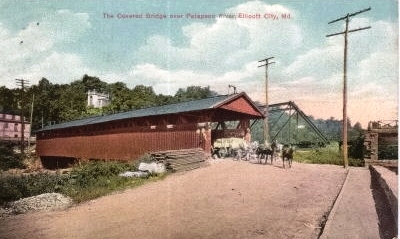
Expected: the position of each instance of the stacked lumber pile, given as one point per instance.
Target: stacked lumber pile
(181, 160)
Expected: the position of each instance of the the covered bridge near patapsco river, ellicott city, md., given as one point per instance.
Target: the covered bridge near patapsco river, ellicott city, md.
(131, 134)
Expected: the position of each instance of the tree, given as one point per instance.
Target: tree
(120, 96)
(73, 101)
(55, 103)
(357, 127)
(93, 83)
(194, 93)
(165, 99)
(44, 109)
(8, 100)
(143, 96)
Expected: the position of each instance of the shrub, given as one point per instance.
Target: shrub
(99, 178)
(85, 182)
(9, 159)
(15, 187)
(327, 155)
(356, 148)
(91, 173)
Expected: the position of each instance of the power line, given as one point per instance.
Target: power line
(345, 33)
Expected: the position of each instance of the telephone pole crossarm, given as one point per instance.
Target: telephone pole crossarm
(350, 15)
(349, 31)
(266, 59)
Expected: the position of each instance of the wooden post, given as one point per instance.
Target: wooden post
(344, 128)
(266, 128)
(345, 33)
(22, 83)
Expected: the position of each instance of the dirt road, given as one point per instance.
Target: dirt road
(228, 199)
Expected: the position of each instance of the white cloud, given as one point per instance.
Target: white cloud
(167, 81)
(319, 61)
(223, 53)
(225, 44)
(31, 53)
(372, 74)
(59, 68)
(379, 67)
(66, 26)
(226, 52)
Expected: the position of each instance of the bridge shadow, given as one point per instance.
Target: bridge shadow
(387, 223)
(276, 164)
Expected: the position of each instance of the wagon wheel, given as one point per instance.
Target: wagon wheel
(222, 153)
(236, 154)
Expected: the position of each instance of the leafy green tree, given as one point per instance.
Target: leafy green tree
(358, 128)
(91, 111)
(8, 100)
(73, 101)
(120, 97)
(143, 96)
(55, 103)
(194, 93)
(93, 83)
(45, 109)
(165, 99)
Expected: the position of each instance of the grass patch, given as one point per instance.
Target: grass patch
(327, 155)
(104, 186)
(84, 182)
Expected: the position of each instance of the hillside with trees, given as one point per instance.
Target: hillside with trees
(56, 103)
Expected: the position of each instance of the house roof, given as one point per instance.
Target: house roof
(182, 107)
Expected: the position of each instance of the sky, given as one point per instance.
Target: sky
(172, 44)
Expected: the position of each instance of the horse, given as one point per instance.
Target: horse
(287, 154)
(263, 151)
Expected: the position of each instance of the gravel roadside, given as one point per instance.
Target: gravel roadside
(46, 201)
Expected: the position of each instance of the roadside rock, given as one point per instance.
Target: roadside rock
(152, 167)
(138, 174)
(46, 201)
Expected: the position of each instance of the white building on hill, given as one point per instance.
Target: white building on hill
(97, 100)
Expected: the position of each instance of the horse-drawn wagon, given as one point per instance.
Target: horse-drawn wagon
(240, 149)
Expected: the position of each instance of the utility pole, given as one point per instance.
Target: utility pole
(30, 128)
(266, 128)
(22, 83)
(234, 88)
(345, 33)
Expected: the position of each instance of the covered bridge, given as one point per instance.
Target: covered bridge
(128, 135)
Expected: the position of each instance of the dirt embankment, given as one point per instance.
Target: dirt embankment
(228, 199)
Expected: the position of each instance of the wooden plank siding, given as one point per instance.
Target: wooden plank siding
(127, 136)
(118, 146)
